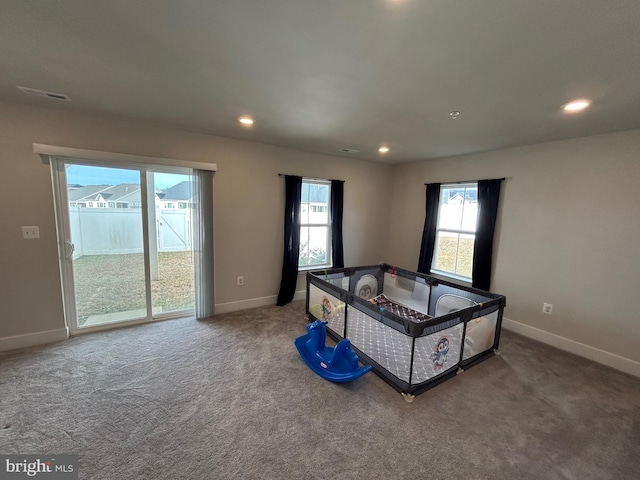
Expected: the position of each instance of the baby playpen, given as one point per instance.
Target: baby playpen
(415, 330)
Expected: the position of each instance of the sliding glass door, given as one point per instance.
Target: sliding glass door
(172, 248)
(126, 242)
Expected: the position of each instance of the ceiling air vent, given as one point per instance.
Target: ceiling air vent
(349, 150)
(42, 93)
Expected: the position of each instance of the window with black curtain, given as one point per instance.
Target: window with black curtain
(312, 229)
(459, 228)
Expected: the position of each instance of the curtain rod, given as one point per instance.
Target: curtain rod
(313, 178)
(467, 181)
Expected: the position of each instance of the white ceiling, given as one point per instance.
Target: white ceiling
(321, 75)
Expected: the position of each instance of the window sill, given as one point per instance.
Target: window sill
(310, 268)
(451, 277)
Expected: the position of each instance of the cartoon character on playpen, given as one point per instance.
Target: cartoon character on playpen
(327, 309)
(440, 355)
(331, 311)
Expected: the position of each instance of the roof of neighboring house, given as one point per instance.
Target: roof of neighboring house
(456, 198)
(125, 192)
(468, 194)
(88, 192)
(180, 191)
(315, 193)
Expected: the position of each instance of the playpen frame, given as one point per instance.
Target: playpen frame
(494, 302)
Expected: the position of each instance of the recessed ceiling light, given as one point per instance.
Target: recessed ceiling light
(576, 105)
(383, 149)
(455, 114)
(247, 121)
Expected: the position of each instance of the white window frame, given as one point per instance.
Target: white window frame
(444, 273)
(329, 264)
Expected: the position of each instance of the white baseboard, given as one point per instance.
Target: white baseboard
(32, 339)
(50, 336)
(606, 358)
(254, 303)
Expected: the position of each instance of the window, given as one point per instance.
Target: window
(456, 230)
(102, 205)
(89, 204)
(315, 231)
(182, 205)
(112, 204)
(170, 205)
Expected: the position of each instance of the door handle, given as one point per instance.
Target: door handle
(72, 248)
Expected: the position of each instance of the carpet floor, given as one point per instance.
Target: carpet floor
(230, 398)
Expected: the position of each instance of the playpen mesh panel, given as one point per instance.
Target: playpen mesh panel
(388, 347)
(480, 335)
(366, 286)
(327, 308)
(448, 303)
(340, 282)
(438, 291)
(405, 291)
(436, 353)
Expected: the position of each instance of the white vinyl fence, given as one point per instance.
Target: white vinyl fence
(112, 231)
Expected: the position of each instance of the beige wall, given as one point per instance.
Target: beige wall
(249, 199)
(568, 233)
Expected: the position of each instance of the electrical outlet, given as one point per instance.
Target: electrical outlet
(240, 280)
(547, 308)
(30, 232)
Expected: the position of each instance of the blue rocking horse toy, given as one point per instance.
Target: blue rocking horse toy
(339, 364)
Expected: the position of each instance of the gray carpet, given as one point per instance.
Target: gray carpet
(230, 398)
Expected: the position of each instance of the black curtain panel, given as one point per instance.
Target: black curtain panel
(429, 231)
(293, 194)
(488, 196)
(337, 204)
